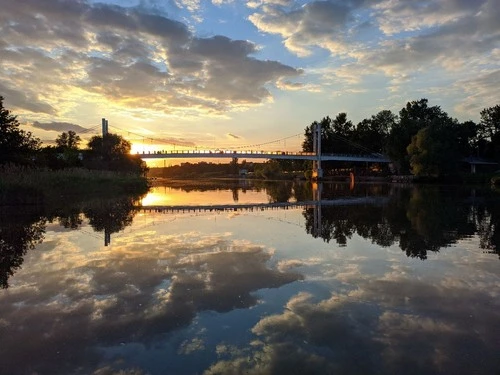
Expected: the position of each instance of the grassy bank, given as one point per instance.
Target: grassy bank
(32, 186)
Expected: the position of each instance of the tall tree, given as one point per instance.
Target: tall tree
(341, 138)
(372, 133)
(112, 152)
(16, 145)
(109, 146)
(489, 131)
(414, 116)
(69, 140)
(490, 122)
(326, 135)
(435, 149)
(335, 135)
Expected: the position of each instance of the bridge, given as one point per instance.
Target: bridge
(316, 156)
(283, 155)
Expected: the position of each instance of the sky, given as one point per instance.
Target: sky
(213, 74)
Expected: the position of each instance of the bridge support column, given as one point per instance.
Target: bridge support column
(104, 127)
(317, 170)
(317, 188)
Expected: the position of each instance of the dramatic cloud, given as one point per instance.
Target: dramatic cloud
(59, 126)
(318, 23)
(367, 329)
(140, 290)
(183, 60)
(130, 57)
(398, 38)
(25, 101)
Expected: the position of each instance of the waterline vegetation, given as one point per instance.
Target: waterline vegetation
(32, 174)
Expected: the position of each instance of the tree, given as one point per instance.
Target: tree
(66, 153)
(435, 150)
(112, 152)
(69, 140)
(16, 146)
(372, 133)
(109, 146)
(326, 135)
(335, 135)
(489, 131)
(414, 116)
(469, 139)
(490, 122)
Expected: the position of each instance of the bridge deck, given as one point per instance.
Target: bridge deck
(374, 158)
(264, 206)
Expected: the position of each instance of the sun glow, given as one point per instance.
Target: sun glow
(149, 148)
(157, 197)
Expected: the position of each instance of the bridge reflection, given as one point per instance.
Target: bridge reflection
(315, 204)
(261, 206)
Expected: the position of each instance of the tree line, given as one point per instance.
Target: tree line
(423, 140)
(108, 152)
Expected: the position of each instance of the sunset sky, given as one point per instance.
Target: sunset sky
(227, 73)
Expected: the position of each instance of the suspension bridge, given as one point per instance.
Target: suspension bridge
(253, 152)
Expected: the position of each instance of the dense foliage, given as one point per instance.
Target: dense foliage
(422, 139)
(112, 152)
(16, 145)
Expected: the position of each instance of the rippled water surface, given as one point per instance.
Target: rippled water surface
(254, 278)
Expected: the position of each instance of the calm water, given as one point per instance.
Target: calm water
(375, 279)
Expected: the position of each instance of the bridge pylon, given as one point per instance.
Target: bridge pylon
(317, 170)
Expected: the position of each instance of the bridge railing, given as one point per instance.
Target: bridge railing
(224, 152)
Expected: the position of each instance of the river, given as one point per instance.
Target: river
(241, 277)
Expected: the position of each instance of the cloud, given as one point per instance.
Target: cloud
(221, 2)
(141, 289)
(373, 327)
(25, 101)
(127, 56)
(59, 126)
(388, 39)
(233, 136)
(480, 90)
(317, 23)
(395, 17)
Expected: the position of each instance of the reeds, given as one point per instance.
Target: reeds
(30, 185)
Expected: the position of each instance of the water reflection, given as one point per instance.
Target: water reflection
(23, 227)
(418, 219)
(245, 292)
(20, 231)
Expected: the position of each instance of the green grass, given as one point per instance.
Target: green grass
(19, 185)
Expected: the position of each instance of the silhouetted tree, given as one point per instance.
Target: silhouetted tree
(489, 131)
(112, 152)
(16, 145)
(372, 133)
(65, 154)
(342, 131)
(326, 136)
(414, 116)
(109, 146)
(69, 140)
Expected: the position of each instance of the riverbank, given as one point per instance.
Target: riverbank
(19, 185)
